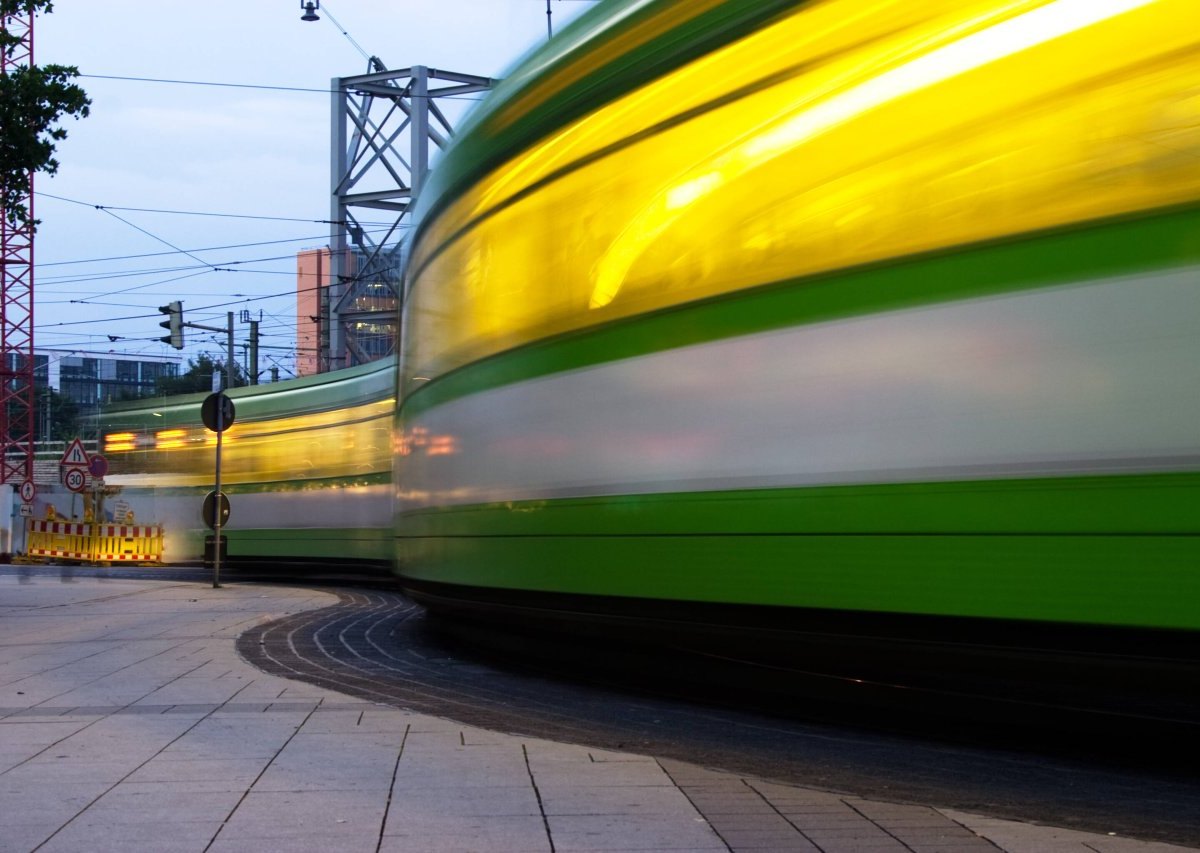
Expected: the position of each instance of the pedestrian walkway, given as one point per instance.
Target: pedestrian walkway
(129, 723)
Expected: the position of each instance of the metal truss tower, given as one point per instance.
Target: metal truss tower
(17, 404)
(383, 126)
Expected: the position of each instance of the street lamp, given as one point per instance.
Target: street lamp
(309, 8)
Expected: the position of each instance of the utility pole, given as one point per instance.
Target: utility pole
(229, 352)
(252, 368)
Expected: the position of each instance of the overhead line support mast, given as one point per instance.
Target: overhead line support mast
(374, 171)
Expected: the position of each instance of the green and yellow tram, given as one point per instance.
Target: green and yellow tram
(851, 318)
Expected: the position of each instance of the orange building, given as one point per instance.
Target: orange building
(341, 326)
(312, 309)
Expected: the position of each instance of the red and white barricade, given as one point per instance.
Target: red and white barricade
(58, 540)
(93, 543)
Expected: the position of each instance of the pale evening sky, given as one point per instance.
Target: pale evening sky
(204, 149)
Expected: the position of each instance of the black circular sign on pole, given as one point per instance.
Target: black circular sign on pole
(208, 411)
(210, 509)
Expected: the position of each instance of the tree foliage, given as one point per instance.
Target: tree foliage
(32, 101)
(58, 417)
(197, 377)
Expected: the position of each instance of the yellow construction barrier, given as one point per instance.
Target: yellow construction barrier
(58, 540)
(115, 543)
(86, 542)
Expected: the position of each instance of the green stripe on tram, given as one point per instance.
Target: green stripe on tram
(1114, 248)
(1114, 550)
(323, 543)
(1138, 504)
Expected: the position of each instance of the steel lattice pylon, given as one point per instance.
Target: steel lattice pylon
(16, 302)
(385, 123)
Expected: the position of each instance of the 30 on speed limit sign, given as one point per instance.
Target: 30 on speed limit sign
(75, 479)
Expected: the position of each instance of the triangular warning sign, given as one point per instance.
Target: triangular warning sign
(75, 457)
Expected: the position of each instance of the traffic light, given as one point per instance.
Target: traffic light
(174, 323)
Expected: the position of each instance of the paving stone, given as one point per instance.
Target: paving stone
(626, 800)
(867, 831)
(591, 773)
(741, 821)
(475, 801)
(307, 844)
(121, 806)
(240, 772)
(445, 834)
(298, 814)
(798, 845)
(732, 805)
(106, 837)
(622, 832)
(27, 836)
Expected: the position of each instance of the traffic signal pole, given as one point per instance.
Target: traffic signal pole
(173, 324)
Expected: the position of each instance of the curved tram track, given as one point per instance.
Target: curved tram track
(378, 645)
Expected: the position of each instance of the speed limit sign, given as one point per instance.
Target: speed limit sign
(75, 479)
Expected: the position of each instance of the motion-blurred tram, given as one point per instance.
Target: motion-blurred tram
(844, 319)
(306, 466)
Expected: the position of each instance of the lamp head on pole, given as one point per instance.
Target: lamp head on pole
(309, 8)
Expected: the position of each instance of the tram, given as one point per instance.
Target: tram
(306, 467)
(840, 320)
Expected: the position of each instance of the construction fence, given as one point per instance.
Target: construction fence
(91, 542)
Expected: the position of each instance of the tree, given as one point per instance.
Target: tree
(197, 377)
(58, 417)
(32, 100)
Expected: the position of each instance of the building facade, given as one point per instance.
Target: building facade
(91, 379)
(343, 323)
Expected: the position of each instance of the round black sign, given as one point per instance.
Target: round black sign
(210, 509)
(209, 410)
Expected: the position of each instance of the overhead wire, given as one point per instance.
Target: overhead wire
(324, 91)
(191, 212)
(206, 267)
(139, 228)
(160, 254)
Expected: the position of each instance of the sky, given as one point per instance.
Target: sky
(253, 159)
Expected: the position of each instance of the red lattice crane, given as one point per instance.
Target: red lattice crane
(17, 402)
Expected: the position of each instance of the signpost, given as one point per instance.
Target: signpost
(74, 466)
(75, 456)
(97, 466)
(75, 479)
(217, 409)
(210, 510)
(217, 412)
